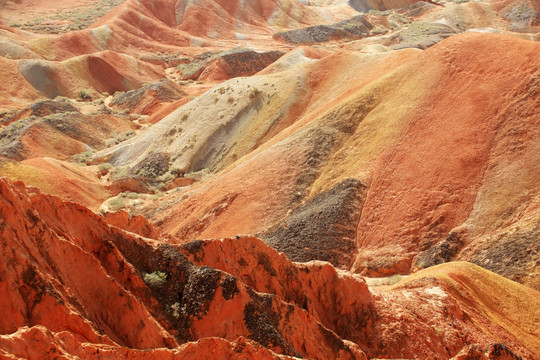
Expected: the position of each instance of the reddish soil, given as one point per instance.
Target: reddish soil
(417, 195)
(74, 279)
(402, 143)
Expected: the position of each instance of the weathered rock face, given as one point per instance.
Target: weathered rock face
(323, 228)
(338, 300)
(238, 63)
(149, 98)
(44, 241)
(415, 213)
(37, 343)
(354, 28)
(384, 324)
(512, 252)
(69, 278)
(135, 224)
(282, 154)
(59, 135)
(448, 188)
(366, 152)
(282, 140)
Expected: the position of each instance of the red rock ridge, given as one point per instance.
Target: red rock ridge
(75, 286)
(69, 277)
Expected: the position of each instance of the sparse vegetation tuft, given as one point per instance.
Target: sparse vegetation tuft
(105, 166)
(117, 204)
(254, 93)
(83, 157)
(83, 95)
(78, 18)
(156, 279)
(177, 310)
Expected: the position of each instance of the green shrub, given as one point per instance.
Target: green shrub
(105, 166)
(156, 279)
(177, 310)
(117, 204)
(83, 95)
(83, 157)
(394, 279)
(133, 195)
(123, 136)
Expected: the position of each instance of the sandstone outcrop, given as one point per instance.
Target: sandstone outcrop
(148, 99)
(409, 218)
(71, 279)
(201, 185)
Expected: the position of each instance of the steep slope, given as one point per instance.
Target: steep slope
(96, 73)
(66, 264)
(61, 264)
(71, 181)
(382, 132)
(511, 251)
(419, 202)
(239, 115)
(473, 288)
(19, 90)
(449, 304)
(386, 138)
(60, 135)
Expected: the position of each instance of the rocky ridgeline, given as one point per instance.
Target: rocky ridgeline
(81, 287)
(395, 143)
